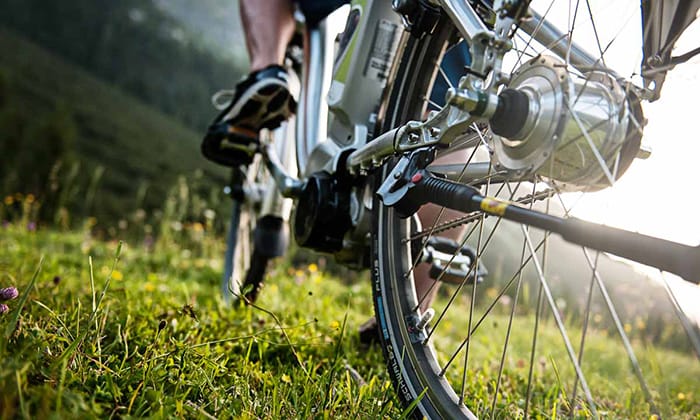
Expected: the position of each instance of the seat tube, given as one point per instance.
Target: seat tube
(312, 113)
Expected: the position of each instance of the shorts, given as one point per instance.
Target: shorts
(316, 10)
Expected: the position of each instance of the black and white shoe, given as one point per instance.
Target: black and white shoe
(262, 100)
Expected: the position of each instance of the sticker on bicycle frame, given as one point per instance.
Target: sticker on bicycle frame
(386, 39)
(493, 206)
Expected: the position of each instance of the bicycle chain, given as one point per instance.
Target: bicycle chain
(468, 218)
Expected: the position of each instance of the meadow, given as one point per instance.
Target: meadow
(105, 328)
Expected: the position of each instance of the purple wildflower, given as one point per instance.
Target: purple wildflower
(31, 226)
(8, 293)
(4, 308)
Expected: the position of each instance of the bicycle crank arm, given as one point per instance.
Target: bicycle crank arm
(406, 195)
(289, 186)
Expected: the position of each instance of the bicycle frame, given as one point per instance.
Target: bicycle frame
(353, 96)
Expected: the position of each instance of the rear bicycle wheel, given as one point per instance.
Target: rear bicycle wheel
(244, 264)
(533, 338)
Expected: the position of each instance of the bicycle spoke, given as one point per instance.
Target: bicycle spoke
(489, 309)
(464, 280)
(623, 335)
(584, 330)
(570, 35)
(444, 76)
(595, 31)
(518, 61)
(533, 347)
(510, 322)
(471, 312)
(560, 323)
(591, 144)
(692, 334)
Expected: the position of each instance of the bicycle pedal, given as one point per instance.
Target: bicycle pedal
(451, 263)
(229, 145)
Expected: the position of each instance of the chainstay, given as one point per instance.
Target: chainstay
(471, 217)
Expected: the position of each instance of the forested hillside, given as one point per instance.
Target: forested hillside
(81, 84)
(79, 144)
(132, 44)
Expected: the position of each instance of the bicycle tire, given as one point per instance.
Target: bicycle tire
(411, 83)
(416, 368)
(254, 238)
(244, 268)
(258, 230)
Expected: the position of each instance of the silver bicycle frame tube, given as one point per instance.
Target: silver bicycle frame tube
(549, 35)
(312, 112)
(469, 25)
(464, 16)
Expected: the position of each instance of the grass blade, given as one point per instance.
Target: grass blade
(22, 300)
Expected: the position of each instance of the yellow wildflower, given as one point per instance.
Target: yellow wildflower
(117, 275)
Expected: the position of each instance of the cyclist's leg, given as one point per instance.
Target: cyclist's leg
(262, 99)
(432, 215)
(268, 26)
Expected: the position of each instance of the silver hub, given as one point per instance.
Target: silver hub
(574, 129)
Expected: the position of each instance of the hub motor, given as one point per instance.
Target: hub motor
(579, 130)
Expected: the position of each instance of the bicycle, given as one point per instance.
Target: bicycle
(530, 118)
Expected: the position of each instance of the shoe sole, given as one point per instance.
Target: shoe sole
(272, 100)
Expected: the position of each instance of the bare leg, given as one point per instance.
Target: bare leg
(268, 26)
(426, 289)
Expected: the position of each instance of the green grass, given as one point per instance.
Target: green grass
(142, 332)
(161, 342)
